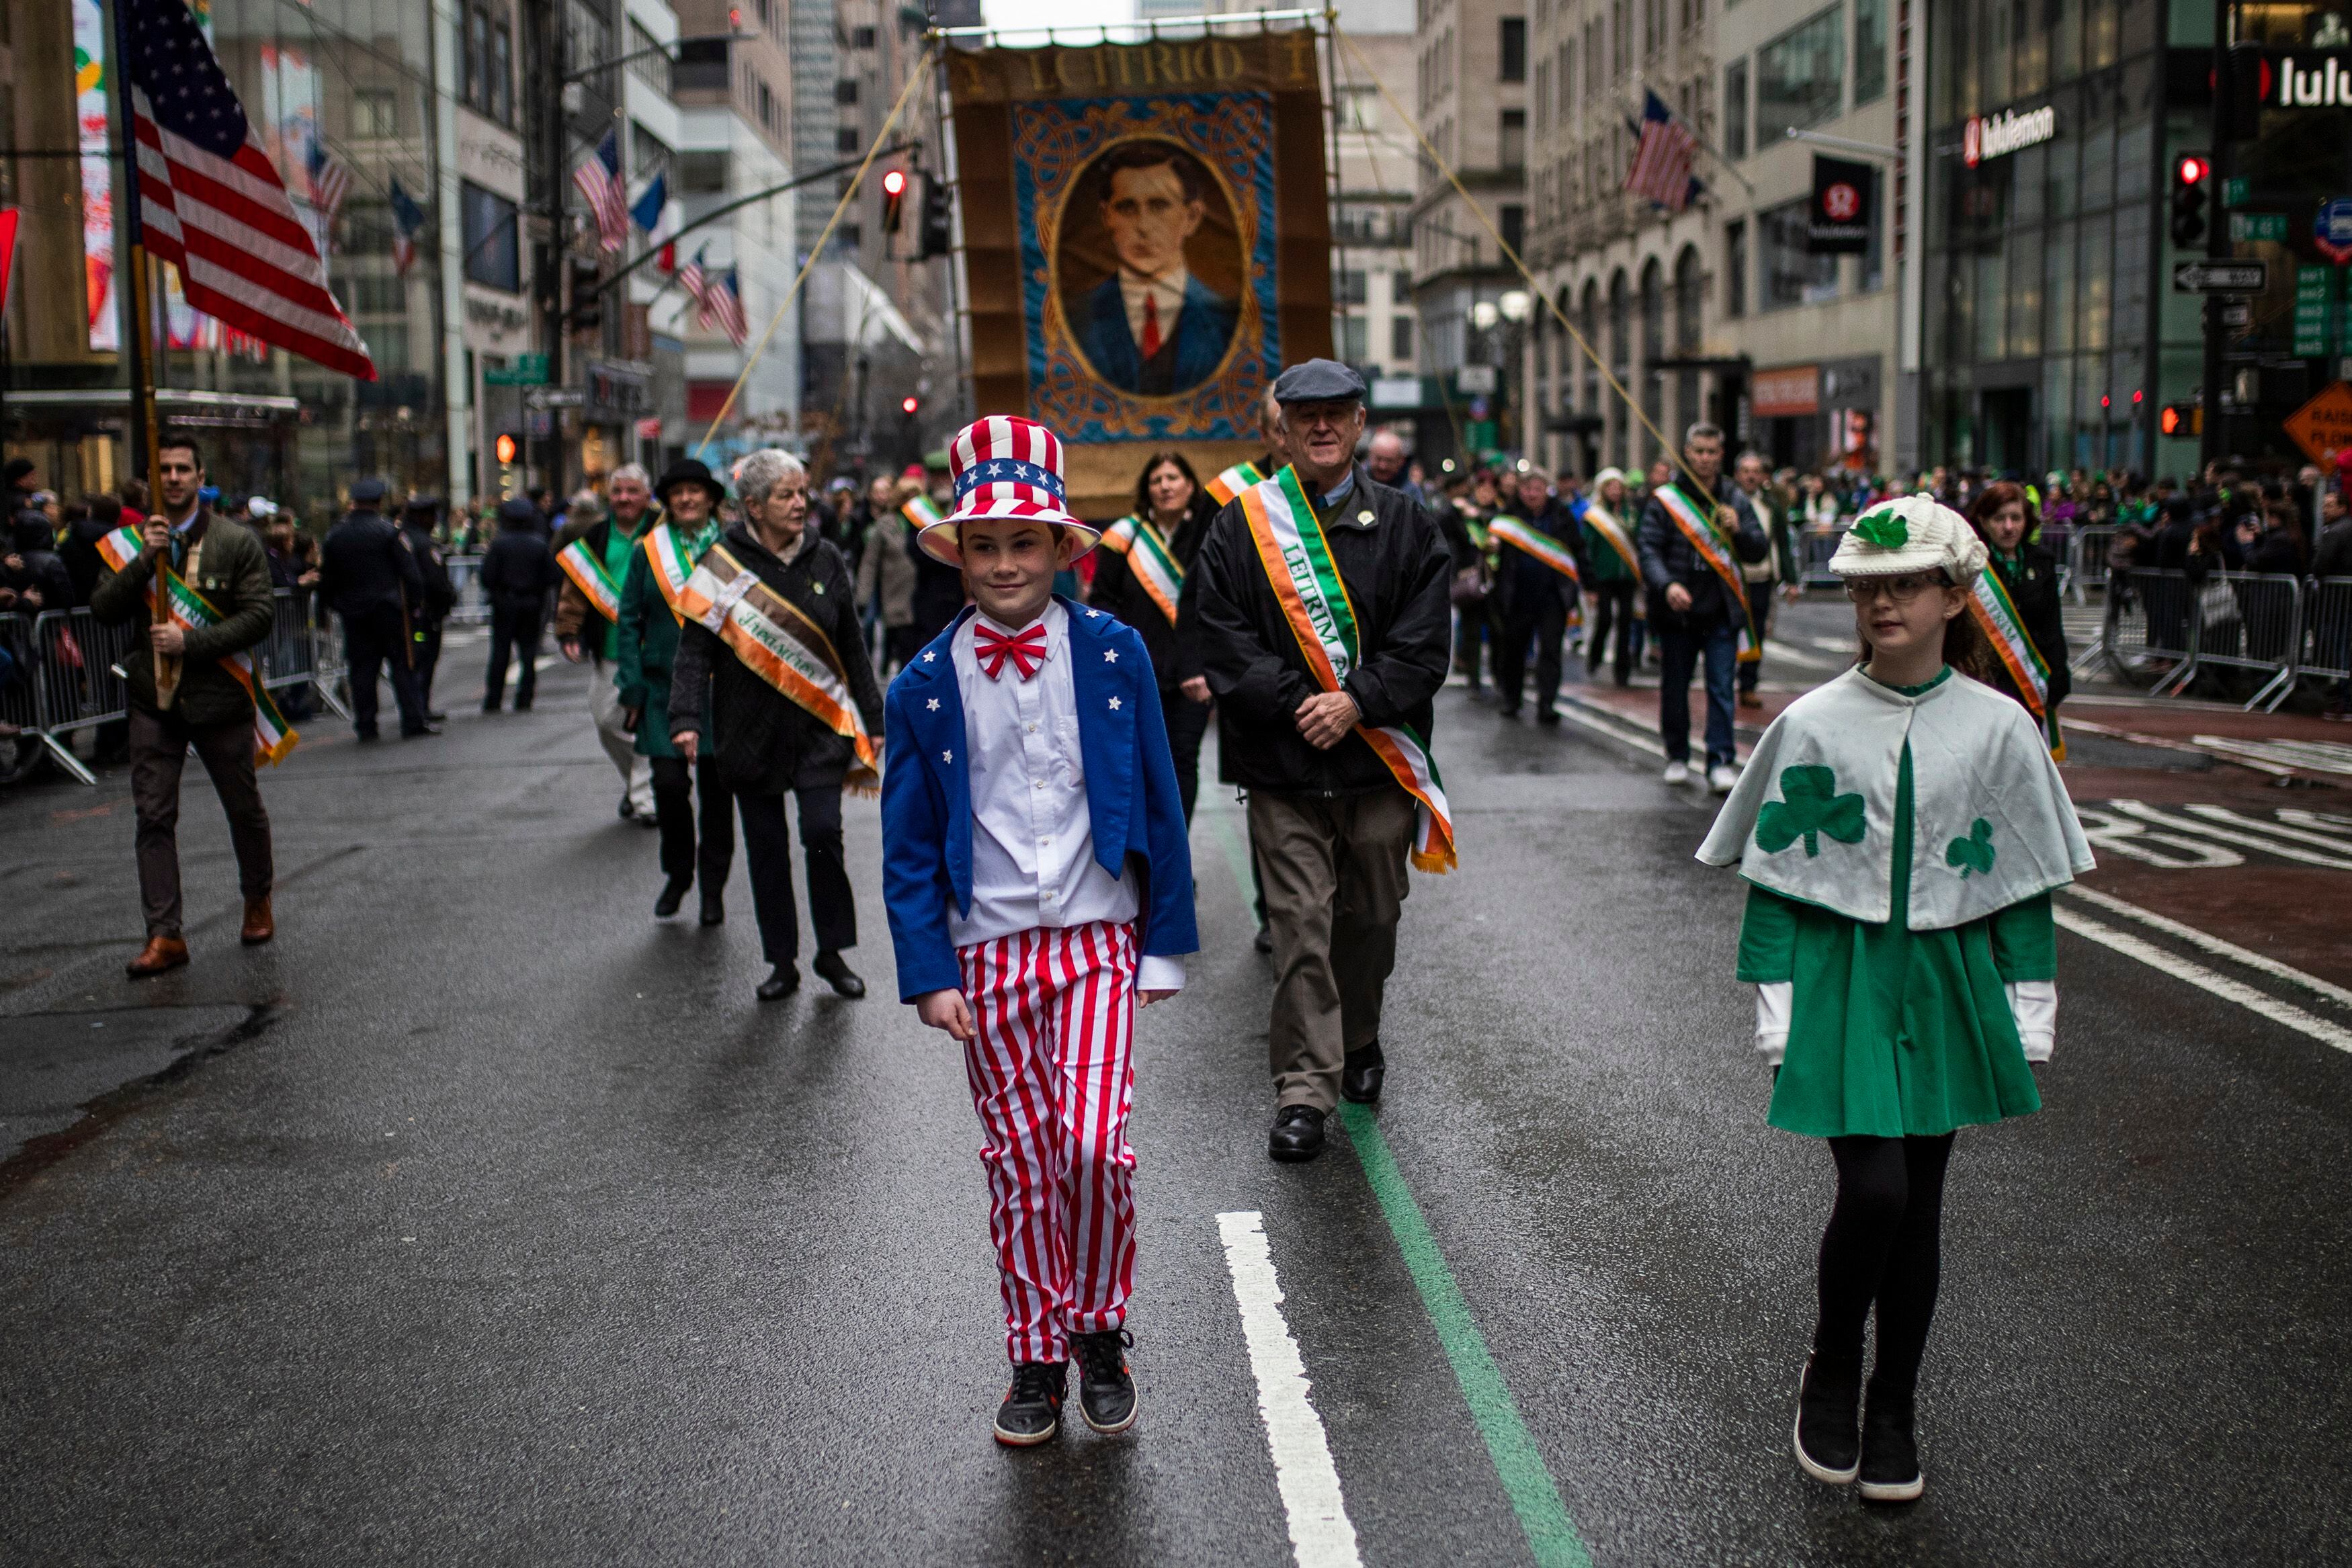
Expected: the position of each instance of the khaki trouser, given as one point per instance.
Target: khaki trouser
(604, 708)
(159, 751)
(1335, 871)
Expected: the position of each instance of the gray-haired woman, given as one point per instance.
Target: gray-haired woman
(801, 723)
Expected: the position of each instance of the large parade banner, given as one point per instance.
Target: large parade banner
(1147, 238)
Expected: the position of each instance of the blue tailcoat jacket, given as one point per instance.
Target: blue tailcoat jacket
(1137, 817)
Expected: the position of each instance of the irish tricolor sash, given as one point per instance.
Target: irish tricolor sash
(1234, 481)
(921, 511)
(588, 575)
(672, 555)
(1699, 528)
(1298, 561)
(273, 737)
(1614, 533)
(1525, 537)
(784, 647)
(1996, 613)
(1147, 558)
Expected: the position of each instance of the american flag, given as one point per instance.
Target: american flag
(1661, 169)
(696, 284)
(722, 301)
(329, 181)
(407, 218)
(212, 204)
(599, 179)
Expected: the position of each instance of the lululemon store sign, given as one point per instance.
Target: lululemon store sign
(1989, 136)
(2322, 83)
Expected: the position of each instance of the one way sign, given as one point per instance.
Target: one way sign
(2220, 277)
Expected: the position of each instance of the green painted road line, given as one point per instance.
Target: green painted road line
(1551, 1534)
(1238, 857)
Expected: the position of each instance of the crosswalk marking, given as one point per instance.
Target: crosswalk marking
(2219, 985)
(2212, 943)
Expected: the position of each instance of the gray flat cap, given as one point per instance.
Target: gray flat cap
(1318, 380)
(367, 492)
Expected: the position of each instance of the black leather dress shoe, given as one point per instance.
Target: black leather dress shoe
(714, 908)
(782, 982)
(673, 894)
(1297, 1134)
(436, 718)
(1361, 1072)
(835, 971)
(1264, 942)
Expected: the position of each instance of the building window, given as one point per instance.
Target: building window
(1359, 108)
(502, 106)
(1735, 109)
(1792, 273)
(1621, 37)
(1869, 51)
(844, 92)
(1515, 227)
(847, 140)
(701, 173)
(1564, 87)
(1514, 48)
(1799, 76)
(1511, 139)
(375, 112)
(493, 257)
(476, 65)
(1401, 339)
(1355, 287)
(767, 107)
(1354, 344)
(1735, 269)
(861, 37)
(651, 65)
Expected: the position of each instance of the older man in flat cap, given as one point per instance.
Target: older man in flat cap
(1323, 684)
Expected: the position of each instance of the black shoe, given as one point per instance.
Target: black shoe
(1105, 1387)
(1297, 1134)
(673, 894)
(647, 819)
(1031, 1411)
(437, 717)
(714, 908)
(835, 971)
(627, 810)
(365, 735)
(1828, 1437)
(1507, 710)
(490, 707)
(1263, 941)
(782, 982)
(1361, 1072)
(522, 705)
(412, 732)
(1547, 715)
(1890, 1450)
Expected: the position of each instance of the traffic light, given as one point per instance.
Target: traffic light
(939, 224)
(2181, 419)
(907, 406)
(587, 295)
(2192, 176)
(893, 197)
(506, 449)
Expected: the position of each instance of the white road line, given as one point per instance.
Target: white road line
(2336, 842)
(2212, 943)
(1321, 1535)
(2196, 975)
(2147, 813)
(1574, 710)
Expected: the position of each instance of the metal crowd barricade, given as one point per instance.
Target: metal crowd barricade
(2150, 616)
(2086, 558)
(1817, 544)
(473, 607)
(2327, 630)
(78, 676)
(2248, 621)
(19, 693)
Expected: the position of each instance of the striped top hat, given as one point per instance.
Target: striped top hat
(1004, 468)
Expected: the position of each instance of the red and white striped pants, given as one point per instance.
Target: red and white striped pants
(1052, 1071)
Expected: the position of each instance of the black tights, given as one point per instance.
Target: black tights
(1882, 1246)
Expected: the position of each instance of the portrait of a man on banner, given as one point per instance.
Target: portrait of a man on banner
(1154, 326)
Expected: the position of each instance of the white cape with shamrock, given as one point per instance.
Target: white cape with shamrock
(1813, 817)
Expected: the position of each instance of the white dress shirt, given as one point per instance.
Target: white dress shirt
(1167, 289)
(1032, 844)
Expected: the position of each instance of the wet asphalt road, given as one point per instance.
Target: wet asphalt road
(481, 1218)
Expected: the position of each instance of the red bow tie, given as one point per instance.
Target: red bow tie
(992, 648)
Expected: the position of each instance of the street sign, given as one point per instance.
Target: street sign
(1471, 379)
(528, 371)
(2315, 293)
(2220, 277)
(2332, 229)
(2323, 426)
(2236, 191)
(555, 397)
(2258, 225)
(2238, 315)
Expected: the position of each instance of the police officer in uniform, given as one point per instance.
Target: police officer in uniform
(369, 580)
(424, 617)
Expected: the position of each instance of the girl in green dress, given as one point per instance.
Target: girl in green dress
(1901, 828)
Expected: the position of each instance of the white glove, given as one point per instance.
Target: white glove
(1773, 1019)
(2034, 1004)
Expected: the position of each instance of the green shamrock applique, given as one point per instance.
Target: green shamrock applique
(1973, 852)
(1885, 527)
(1812, 807)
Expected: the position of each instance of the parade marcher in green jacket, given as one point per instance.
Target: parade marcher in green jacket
(1901, 830)
(647, 635)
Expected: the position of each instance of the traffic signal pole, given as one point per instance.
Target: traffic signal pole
(2212, 447)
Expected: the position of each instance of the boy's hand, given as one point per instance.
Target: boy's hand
(947, 1010)
(1150, 997)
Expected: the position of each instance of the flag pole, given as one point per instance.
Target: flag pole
(138, 344)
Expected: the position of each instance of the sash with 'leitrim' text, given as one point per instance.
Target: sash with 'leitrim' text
(273, 737)
(1996, 613)
(779, 643)
(1149, 559)
(1298, 561)
(1698, 528)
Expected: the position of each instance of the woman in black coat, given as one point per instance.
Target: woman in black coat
(2029, 573)
(1172, 502)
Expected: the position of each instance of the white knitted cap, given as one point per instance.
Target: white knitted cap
(1911, 533)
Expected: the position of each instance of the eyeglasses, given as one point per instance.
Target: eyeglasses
(1902, 590)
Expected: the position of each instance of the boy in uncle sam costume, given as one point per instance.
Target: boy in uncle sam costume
(1900, 829)
(1037, 877)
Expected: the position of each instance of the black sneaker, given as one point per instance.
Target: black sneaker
(1031, 1411)
(1105, 1387)
(1829, 1416)
(1890, 1451)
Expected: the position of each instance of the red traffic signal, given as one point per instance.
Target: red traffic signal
(894, 183)
(505, 448)
(907, 406)
(2192, 169)
(2181, 419)
(894, 196)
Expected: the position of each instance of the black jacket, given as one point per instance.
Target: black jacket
(1116, 589)
(518, 570)
(761, 741)
(2033, 589)
(1668, 558)
(1521, 581)
(440, 594)
(1396, 569)
(364, 569)
(2333, 558)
